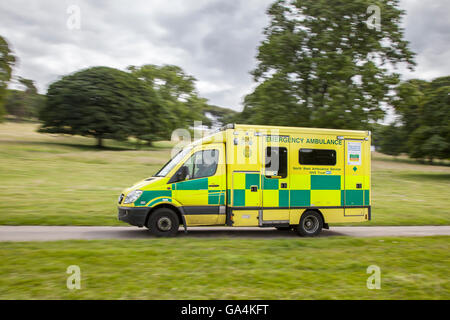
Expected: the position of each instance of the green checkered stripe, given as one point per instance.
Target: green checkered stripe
(300, 198)
(214, 197)
(149, 196)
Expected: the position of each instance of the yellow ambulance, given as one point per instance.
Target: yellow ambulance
(289, 178)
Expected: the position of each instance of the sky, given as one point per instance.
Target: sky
(215, 41)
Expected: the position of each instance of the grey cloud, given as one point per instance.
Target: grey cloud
(214, 40)
(427, 28)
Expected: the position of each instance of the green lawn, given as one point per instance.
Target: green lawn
(320, 268)
(405, 193)
(64, 180)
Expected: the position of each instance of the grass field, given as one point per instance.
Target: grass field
(64, 180)
(323, 268)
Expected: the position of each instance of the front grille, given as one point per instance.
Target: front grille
(120, 198)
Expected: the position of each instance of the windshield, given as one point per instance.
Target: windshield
(172, 163)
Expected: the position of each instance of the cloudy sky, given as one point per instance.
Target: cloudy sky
(213, 40)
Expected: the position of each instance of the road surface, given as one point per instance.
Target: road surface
(50, 233)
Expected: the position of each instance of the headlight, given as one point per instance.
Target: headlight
(132, 196)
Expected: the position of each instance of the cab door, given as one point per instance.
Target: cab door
(202, 192)
(275, 179)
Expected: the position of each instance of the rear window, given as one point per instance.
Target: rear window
(319, 157)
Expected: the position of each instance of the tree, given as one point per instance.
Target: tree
(321, 65)
(104, 103)
(7, 61)
(220, 116)
(408, 101)
(274, 103)
(178, 93)
(26, 103)
(425, 143)
(424, 111)
(392, 140)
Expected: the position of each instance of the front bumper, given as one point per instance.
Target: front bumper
(133, 216)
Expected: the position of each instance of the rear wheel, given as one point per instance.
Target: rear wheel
(163, 223)
(310, 224)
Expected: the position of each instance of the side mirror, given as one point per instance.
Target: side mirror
(180, 175)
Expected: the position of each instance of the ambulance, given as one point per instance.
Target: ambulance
(289, 178)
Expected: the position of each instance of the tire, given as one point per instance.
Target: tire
(283, 228)
(310, 225)
(163, 223)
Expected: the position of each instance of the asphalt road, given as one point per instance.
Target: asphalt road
(50, 233)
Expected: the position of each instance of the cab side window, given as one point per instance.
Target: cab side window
(205, 163)
(201, 164)
(276, 162)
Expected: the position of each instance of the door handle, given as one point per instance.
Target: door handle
(284, 185)
(254, 188)
(213, 185)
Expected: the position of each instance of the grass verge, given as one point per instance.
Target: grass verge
(324, 268)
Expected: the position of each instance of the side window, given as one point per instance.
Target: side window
(319, 157)
(201, 164)
(205, 164)
(276, 162)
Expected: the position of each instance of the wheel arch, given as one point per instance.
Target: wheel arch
(325, 224)
(167, 205)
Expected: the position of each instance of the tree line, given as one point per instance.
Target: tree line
(144, 102)
(321, 64)
(423, 126)
(316, 67)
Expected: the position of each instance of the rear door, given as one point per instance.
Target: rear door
(353, 197)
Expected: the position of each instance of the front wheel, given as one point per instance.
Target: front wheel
(310, 224)
(163, 223)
